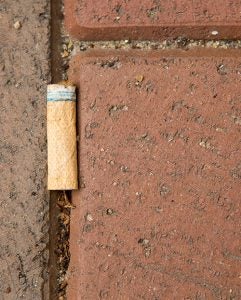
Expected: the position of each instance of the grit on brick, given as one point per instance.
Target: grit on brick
(153, 19)
(158, 212)
(24, 73)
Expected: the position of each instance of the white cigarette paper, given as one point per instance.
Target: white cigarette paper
(61, 135)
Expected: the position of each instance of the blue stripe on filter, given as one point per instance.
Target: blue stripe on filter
(61, 96)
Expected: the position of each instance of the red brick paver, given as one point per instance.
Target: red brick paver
(153, 19)
(158, 214)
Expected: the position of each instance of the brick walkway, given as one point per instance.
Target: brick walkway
(158, 212)
(153, 19)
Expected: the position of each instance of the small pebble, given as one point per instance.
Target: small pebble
(143, 242)
(124, 169)
(17, 25)
(89, 217)
(139, 79)
(109, 211)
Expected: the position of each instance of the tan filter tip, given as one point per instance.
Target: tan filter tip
(61, 135)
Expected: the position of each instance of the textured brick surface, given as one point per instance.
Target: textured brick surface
(24, 73)
(153, 19)
(158, 214)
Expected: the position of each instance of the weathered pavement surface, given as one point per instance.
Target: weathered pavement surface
(158, 212)
(157, 215)
(24, 72)
(200, 261)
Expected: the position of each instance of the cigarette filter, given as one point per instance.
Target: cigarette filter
(61, 134)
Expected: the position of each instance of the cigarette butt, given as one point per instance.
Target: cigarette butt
(61, 135)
